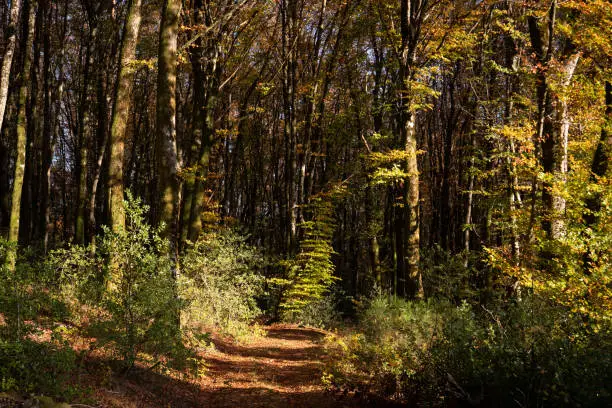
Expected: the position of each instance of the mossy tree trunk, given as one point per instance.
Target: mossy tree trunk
(206, 67)
(121, 109)
(166, 120)
(20, 158)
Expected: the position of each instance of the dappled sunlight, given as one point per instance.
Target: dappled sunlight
(281, 370)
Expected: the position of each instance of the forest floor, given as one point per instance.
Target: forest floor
(282, 369)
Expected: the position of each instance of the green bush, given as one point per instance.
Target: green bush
(528, 353)
(449, 276)
(30, 362)
(28, 293)
(128, 280)
(36, 367)
(220, 283)
(322, 313)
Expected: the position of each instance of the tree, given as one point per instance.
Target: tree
(553, 120)
(120, 113)
(7, 61)
(166, 119)
(20, 159)
(412, 15)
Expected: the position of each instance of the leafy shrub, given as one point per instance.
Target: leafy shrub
(220, 283)
(393, 352)
(30, 361)
(27, 293)
(447, 276)
(528, 353)
(36, 367)
(322, 313)
(129, 281)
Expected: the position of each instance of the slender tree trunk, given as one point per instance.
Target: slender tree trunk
(288, 9)
(104, 100)
(553, 126)
(166, 120)
(599, 168)
(446, 202)
(411, 282)
(84, 131)
(560, 147)
(20, 158)
(7, 61)
(121, 110)
(196, 54)
(28, 219)
(195, 222)
(47, 133)
(514, 197)
(468, 215)
(211, 75)
(94, 188)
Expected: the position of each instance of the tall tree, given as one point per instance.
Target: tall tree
(85, 121)
(553, 120)
(167, 159)
(7, 61)
(412, 14)
(120, 113)
(20, 158)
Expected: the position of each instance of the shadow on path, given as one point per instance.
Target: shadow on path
(281, 370)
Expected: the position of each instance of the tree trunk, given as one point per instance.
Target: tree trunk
(288, 9)
(7, 61)
(166, 119)
(47, 133)
(84, 130)
(553, 126)
(20, 158)
(121, 110)
(411, 282)
(599, 169)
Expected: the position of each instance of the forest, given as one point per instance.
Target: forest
(305, 203)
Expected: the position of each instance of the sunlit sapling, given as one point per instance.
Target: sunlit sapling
(311, 272)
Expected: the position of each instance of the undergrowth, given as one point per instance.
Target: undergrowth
(530, 353)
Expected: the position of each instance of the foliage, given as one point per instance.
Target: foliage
(322, 313)
(128, 279)
(220, 283)
(311, 273)
(34, 356)
(37, 367)
(451, 277)
(526, 353)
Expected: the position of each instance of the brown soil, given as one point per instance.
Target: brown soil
(280, 370)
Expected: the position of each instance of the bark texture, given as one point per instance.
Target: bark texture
(166, 119)
(7, 60)
(120, 114)
(20, 159)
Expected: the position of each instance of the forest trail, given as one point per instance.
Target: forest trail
(282, 369)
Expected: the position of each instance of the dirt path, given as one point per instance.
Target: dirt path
(281, 370)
